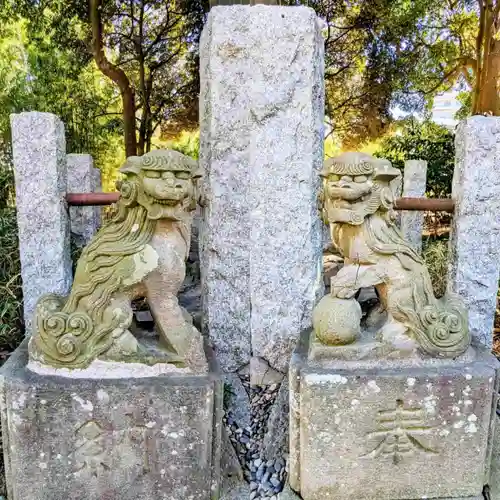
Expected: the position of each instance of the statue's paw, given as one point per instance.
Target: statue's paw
(123, 345)
(395, 334)
(343, 292)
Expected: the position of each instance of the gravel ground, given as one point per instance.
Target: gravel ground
(266, 477)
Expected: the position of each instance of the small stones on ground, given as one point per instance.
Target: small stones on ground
(269, 475)
(266, 477)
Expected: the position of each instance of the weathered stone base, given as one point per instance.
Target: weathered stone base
(289, 494)
(494, 481)
(393, 433)
(127, 439)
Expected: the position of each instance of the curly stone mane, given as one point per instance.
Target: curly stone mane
(100, 259)
(80, 328)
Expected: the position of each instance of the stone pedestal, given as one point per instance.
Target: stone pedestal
(393, 430)
(494, 482)
(109, 439)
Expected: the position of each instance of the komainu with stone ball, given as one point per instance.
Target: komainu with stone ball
(357, 203)
(141, 252)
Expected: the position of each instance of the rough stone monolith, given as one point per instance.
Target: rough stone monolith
(474, 264)
(39, 154)
(414, 182)
(262, 102)
(83, 177)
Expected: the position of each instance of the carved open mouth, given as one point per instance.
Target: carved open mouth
(168, 203)
(347, 192)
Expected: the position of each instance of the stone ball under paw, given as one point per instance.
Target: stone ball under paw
(337, 321)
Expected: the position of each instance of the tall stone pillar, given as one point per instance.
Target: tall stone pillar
(261, 145)
(83, 177)
(39, 153)
(414, 183)
(474, 265)
(262, 108)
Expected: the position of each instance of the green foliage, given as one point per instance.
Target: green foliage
(6, 177)
(11, 323)
(37, 74)
(423, 141)
(373, 59)
(187, 143)
(154, 42)
(435, 254)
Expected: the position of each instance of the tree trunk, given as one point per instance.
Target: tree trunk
(117, 75)
(489, 93)
(141, 146)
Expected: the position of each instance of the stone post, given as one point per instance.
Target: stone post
(397, 189)
(261, 147)
(39, 154)
(474, 264)
(83, 178)
(414, 183)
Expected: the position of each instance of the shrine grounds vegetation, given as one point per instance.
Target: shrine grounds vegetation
(10, 284)
(435, 254)
(11, 327)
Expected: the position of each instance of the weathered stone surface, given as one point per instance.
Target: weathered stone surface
(230, 467)
(325, 234)
(474, 251)
(126, 439)
(276, 437)
(412, 222)
(262, 105)
(494, 480)
(238, 401)
(235, 490)
(337, 321)
(397, 190)
(83, 178)
(262, 374)
(39, 154)
(365, 433)
(289, 494)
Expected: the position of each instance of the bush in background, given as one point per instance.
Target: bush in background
(11, 321)
(187, 143)
(435, 255)
(414, 140)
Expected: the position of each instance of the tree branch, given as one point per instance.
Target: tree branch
(115, 74)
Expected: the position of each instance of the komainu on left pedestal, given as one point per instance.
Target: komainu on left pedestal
(141, 252)
(97, 408)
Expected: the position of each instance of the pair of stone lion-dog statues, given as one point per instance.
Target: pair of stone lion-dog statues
(141, 252)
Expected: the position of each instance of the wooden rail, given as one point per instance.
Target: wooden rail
(91, 199)
(425, 204)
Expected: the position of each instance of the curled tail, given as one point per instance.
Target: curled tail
(69, 340)
(440, 326)
(444, 328)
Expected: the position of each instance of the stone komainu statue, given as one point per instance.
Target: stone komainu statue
(357, 203)
(141, 252)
